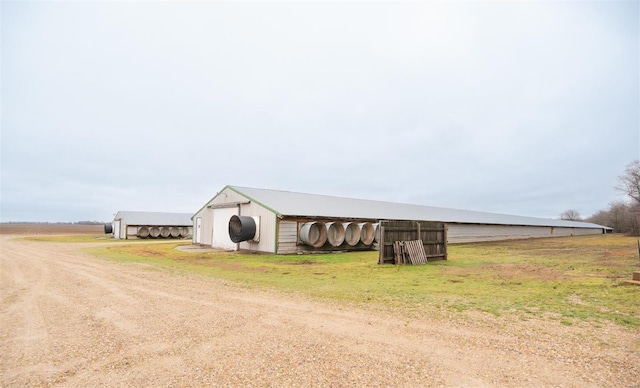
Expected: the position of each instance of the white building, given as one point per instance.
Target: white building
(285, 222)
(132, 225)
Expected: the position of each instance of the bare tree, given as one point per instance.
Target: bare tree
(634, 219)
(600, 218)
(621, 216)
(570, 215)
(630, 181)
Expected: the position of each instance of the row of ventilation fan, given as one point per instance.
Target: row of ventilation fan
(337, 233)
(163, 232)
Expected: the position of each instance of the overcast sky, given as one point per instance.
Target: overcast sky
(526, 108)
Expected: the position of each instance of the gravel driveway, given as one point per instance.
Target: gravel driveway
(70, 319)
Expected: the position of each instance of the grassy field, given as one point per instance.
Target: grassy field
(566, 279)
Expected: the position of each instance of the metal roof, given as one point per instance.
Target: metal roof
(154, 218)
(287, 203)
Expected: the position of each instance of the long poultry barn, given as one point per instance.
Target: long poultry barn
(136, 224)
(284, 222)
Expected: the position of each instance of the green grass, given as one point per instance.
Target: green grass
(567, 279)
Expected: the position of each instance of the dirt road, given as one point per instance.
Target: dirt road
(70, 319)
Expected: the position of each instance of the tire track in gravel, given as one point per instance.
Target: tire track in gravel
(22, 288)
(342, 324)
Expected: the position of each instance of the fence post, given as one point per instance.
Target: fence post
(381, 243)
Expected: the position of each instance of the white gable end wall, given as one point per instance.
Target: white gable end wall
(215, 221)
(225, 198)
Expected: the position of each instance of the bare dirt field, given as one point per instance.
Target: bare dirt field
(50, 229)
(70, 319)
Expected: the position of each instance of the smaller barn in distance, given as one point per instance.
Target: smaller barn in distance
(133, 225)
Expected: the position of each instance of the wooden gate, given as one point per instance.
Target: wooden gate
(433, 236)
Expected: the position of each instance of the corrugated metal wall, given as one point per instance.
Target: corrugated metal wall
(575, 231)
(267, 241)
(460, 233)
(132, 232)
(287, 237)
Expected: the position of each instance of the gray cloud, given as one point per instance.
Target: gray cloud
(525, 108)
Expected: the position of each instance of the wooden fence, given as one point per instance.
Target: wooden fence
(433, 236)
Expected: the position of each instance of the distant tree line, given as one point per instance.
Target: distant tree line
(622, 216)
